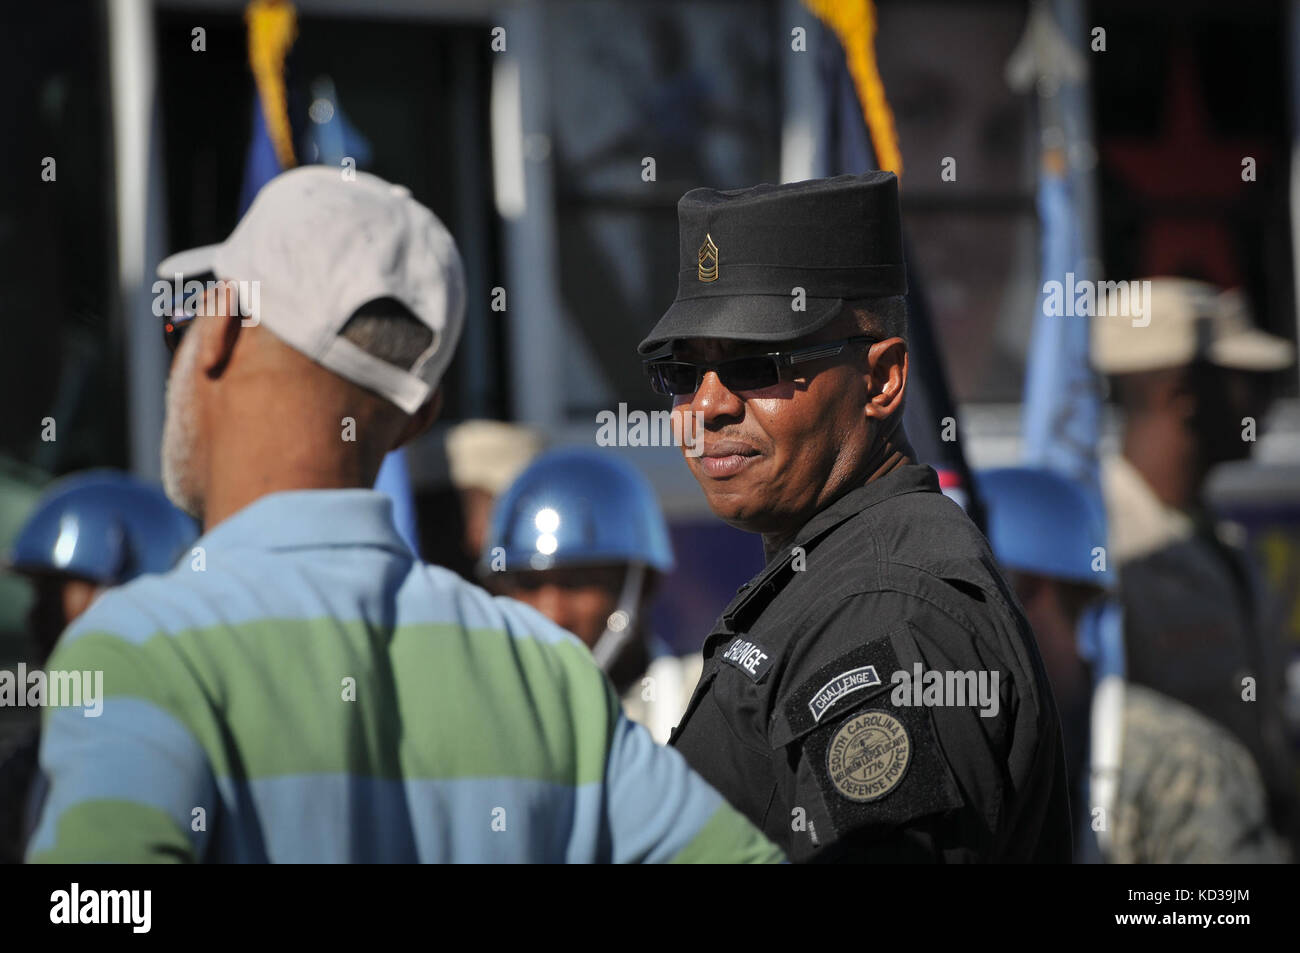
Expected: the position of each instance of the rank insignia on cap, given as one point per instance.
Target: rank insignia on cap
(868, 756)
(708, 259)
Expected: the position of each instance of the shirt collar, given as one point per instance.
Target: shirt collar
(1139, 521)
(909, 478)
(297, 519)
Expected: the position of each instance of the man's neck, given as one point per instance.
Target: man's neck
(278, 463)
(895, 452)
(1167, 461)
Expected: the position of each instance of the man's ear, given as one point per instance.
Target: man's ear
(421, 420)
(218, 330)
(217, 343)
(887, 377)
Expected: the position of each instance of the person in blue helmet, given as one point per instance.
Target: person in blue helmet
(88, 533)
(1151, 779)
(579, 536)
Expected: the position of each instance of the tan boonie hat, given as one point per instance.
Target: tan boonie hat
(320, 246)
(1184, 320)
(489, 454)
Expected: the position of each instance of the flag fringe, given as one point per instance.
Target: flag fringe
(854, 23)
(272, 28)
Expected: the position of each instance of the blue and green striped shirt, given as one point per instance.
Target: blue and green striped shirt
(303, 689)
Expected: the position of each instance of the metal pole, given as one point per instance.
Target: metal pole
(1293, 65)
(140, 221)
(802, 111)
(526, 201)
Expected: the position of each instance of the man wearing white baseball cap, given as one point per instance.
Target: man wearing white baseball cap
(301, 687)
(1192, 384)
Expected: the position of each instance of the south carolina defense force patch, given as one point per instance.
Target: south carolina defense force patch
(868, 756)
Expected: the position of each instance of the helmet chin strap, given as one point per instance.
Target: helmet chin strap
(622, 624)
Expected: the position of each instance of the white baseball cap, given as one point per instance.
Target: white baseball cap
(1187, 320)
(320, 246)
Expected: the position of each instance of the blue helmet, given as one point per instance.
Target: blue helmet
(577, 506)
(1045, 523)
(104, 526)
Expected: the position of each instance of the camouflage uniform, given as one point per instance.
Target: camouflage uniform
(1189, 792)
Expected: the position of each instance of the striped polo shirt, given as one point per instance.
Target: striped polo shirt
(303, 689)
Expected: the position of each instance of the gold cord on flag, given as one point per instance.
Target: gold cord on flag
(854, 22)
(272, 28)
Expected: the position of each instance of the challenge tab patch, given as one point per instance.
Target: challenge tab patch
(749, 657)
(843, 684)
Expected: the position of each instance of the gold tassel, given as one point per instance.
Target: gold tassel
(854, 22)
(272, 28)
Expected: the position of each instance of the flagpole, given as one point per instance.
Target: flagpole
(1293, 56)
(141, 222)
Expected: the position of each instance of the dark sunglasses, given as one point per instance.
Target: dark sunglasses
(180, 317)
(753, 372)
(174, 328)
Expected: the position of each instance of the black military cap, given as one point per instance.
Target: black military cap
(744, 252)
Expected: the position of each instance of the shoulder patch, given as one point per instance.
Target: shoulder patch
(854, 680)
(748, 656)
(855, 677)
(868, 755)
(879, 769)
(873, 766)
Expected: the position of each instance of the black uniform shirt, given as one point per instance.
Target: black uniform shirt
(840, 706)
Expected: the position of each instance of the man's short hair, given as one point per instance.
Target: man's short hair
(879, 317)
(385, 328)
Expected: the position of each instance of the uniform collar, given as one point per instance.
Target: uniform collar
(297, 519)
(909, 478)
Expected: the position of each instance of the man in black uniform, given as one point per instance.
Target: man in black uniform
(875, 693)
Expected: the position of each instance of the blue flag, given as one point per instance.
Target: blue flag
(1062, 409)
(1061, 414)
(1062, 398)
(261, 164)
